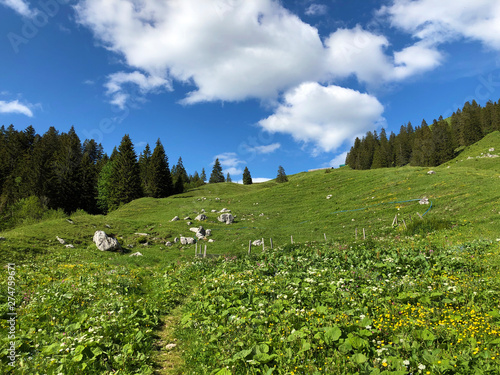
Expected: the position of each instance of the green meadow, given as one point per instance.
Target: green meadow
(373, 283)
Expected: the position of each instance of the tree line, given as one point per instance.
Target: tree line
(56, 171)
(426, 145)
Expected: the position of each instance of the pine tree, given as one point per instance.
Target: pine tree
(203, 175)
(125, 176)
(216, 175)
(145, 168)
(67, 170)
(281, 176)
(228, 178)
(247, 178)
(104, 187)
(161, 180)
(382, 155)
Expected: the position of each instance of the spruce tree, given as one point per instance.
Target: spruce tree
(281, 177)
(203, 176)
(104, 187)
(217, 175)
(161, 180)
(125, 176)
(247, 178)
(228, 178)
(180, 177)
(145, 168)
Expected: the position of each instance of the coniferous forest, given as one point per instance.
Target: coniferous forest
(426, 145)
(56, 174)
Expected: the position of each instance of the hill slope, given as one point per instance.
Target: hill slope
(464, 191)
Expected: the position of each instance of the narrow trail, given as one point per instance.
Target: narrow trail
(169, 359)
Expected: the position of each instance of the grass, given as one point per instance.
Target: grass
(64, 293)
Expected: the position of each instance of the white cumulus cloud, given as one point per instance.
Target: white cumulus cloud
(230, 163)
(316, 9)
(440, 21)
(326, 116)
(15, 107)
(20, 6)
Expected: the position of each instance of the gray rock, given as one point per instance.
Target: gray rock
(168, 243)
(2, 239)
(257, 243)
(424, 200)
(141, 234)
(208, 232)
(201, 217)
(176, 239)
(70, 246)
(107, 226)
(187, 218)
(176, 218)
(194, 230)
(226, 218)
(214, 211)
(187, 241)
(70, 221)
(262, 214)
(203, 211)
(199, 235)
(137, 254)
(210, 240)
(491, 149)
(61, 241)
(189, 223)
(104, 242)
(224, 210)
(431, 172)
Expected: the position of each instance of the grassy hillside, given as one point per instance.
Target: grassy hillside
(84, 311)
(463, 192)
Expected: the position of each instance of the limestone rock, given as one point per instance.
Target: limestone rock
(137, 254)
(257, 243)
(61, 241)
(168, 243)
(175, 218)
(201, 217)
(69, 246)
(424, 200)
(431, 172)
(187, 241)
(211, 240)
(104, 242)
(208, 232)
(187, 218)
(214, 211)
(176, 239)
(226, 218)
(224, 210)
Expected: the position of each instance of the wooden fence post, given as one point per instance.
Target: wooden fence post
(263, 244)
(356, 233)
(205, 252)
(271, 240)
(249, 246)
(364, 235)
(324, 235)
(291, 239)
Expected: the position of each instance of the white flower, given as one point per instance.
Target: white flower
(406, 362)
(368, 327)
(421, 366)
(361, 317)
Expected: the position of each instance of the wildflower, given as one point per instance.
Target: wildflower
(406, 362)
(421, 366)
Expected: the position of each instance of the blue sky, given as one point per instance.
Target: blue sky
(256, 83)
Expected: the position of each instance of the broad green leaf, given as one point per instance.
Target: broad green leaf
(359, 358)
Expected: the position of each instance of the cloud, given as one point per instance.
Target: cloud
(436, 22)
(316, 10)
(244, 49)
(325, 116)
(336, 161)
(268, 149)
(256, 180)
(230, 163)
(19, 6)
(15, 107)
(144, 84)
(363, 54)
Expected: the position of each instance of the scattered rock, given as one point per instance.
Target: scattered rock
(226, 218)
(214, 211)
(187, 241)
(141, 234)
(168, 243)
(202, 210)
(491, 149)
(2, 238)
(211, 240)
(431, 172)
(329, 196)
(424, 200)
(257, 243)
(217, 199)
(199, 235)
(175, 218)
(104, 242)
(201, 217)
(70, 221)
(189, 223)
(61, 241)
(194, 230)
(224, 210)
(170, 346)
(176, 239)
(208, 232)
(262, 214)
(187, 218)
(130, 246)
(137, 254)
(107, 226)
(70, 246)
